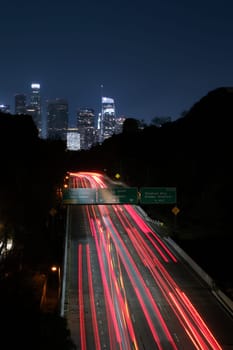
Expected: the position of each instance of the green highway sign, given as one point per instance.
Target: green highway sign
(117, 195)
(79, 196)
(158, 195)
(121, 195)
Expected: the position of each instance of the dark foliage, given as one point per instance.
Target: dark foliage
(32, 170)
(22, 325)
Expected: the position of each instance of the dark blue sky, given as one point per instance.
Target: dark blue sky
(155, 58)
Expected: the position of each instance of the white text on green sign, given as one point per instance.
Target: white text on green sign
(158, 195)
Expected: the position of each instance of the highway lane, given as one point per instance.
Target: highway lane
(125, 289)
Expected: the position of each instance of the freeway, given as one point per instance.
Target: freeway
(124, 287)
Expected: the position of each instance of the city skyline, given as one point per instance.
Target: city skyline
(27, 95)
(51, 118)
(155, 59)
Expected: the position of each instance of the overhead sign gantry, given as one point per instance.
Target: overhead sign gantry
(120, 195)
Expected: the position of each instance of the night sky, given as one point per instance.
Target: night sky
(155, 58)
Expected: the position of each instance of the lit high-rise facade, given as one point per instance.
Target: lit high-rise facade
(73, 140)
(57, 119)
(107, 118)
(34, 107)
(86, 127)
(119, 124)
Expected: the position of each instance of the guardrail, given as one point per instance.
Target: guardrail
(217, 292)
(224, 299)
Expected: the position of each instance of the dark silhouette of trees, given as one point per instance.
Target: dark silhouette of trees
(31, 171)
(23, 325)
(130, 125)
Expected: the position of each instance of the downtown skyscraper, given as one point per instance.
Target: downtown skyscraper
(34, 106)
(20, 103)
(31, 105)
(57, 119)
(107, 119)
(86, 127)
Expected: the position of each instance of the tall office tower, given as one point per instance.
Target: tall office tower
(73, 139)
(107, 122)
(57, 119)
(119, 124)
(20, 104)
(86, 127)
(34, 107)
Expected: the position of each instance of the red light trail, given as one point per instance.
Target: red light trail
(117, 262)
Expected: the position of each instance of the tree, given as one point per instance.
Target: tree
(130, 125)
